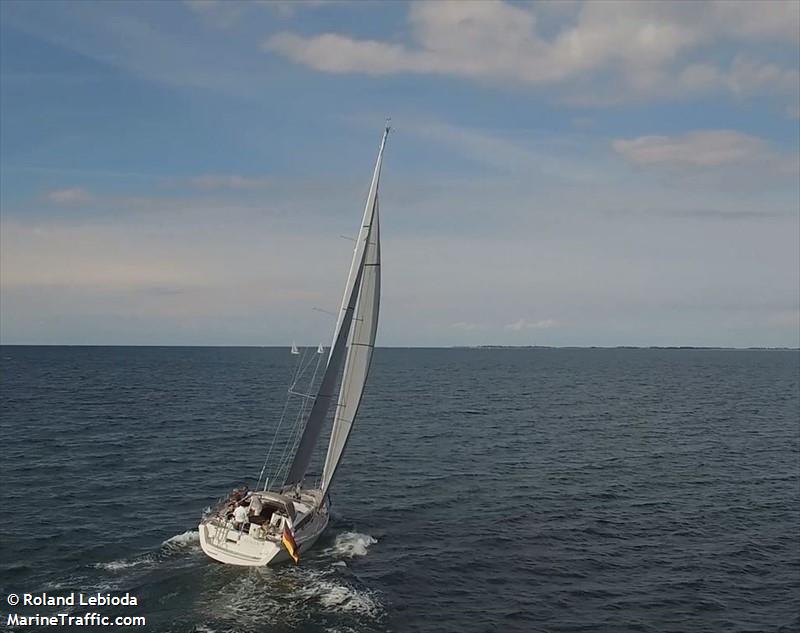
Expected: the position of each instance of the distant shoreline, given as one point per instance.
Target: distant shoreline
(672, 347)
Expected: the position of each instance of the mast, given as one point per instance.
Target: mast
(336, 357)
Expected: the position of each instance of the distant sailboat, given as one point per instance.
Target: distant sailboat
(267, 526)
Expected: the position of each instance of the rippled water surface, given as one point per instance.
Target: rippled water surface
(482, 490)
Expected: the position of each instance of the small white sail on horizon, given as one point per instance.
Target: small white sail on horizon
(295, 351)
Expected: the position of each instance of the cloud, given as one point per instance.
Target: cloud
(639, 49)
(479, 145)
(70, 196)
(528, 154)
(235, 276)
(750, 77)
(704, 149)
(524, 324)
(709, 148)
(228, 181)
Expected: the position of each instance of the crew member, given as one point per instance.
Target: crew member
(240, 515)
(255, 505)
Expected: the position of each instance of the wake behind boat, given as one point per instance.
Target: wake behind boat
(285, 517)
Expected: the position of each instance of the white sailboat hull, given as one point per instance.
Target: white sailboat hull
(225, 543)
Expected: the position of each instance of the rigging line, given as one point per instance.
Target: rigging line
(275, 437)
(287, 447)
(300, 368)
(302, 395)
(272, 445)
(290, 446)
(307, 365)
(323, 310)
(283, 463)
(313, 378)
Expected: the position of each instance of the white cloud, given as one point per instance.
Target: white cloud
(749, 77)
(757, 19)
(155, 274)
(646, 46)
(228, 181)
(705, 149)
(524, 324)
(708, 148)
(70, 196)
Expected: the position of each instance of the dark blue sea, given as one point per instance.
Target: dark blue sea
(513, 490)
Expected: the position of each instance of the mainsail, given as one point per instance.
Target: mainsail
(359, 353)
(339, 347)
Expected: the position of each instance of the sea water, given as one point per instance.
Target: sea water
(483, 489)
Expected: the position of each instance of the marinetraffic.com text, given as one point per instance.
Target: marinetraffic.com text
(76, 609)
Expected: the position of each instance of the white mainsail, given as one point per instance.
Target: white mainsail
(359, 353)
(322, 402)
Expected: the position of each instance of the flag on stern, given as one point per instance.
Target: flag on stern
(290, 545)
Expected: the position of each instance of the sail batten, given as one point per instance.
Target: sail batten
(340, 352)
(360, 346)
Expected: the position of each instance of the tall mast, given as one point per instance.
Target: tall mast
(322, 402)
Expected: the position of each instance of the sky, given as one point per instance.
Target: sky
(559, 173)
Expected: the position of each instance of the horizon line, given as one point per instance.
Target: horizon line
(477, 346)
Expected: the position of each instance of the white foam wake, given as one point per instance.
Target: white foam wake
(171, 546)
(339, 597)
(350, 545)
(119, 565)
(285, 597)
(183, 540)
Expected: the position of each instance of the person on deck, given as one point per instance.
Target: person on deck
(240, 515)
(255, 506)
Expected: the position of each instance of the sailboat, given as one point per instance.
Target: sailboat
(281, 521)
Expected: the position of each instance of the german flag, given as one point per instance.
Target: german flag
(290, 545)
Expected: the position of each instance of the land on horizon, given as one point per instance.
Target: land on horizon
(478, 347)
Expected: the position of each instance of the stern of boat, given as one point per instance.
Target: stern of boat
(227, 544)
(258, 545)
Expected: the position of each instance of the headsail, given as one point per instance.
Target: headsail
(359, 353)
(336, 357)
